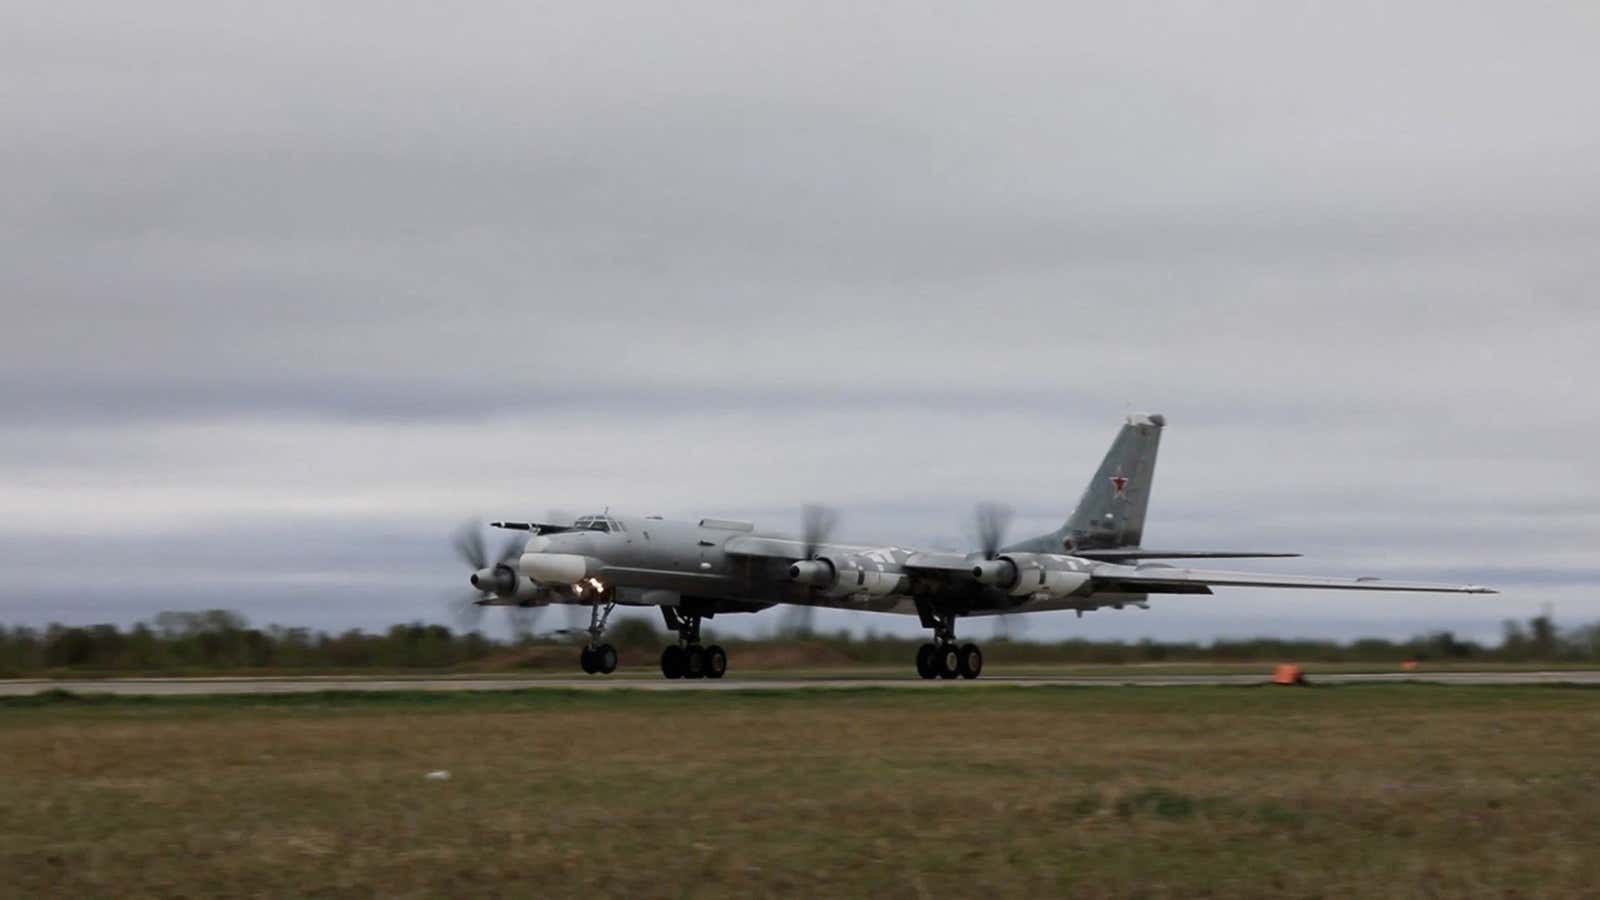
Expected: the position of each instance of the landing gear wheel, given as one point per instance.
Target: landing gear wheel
(947, 661)
(605, 659)
(687, 658)
(925, 664)
(672, 661)
(694, 661)
(716, 661)
(971, 661)
(586, 660)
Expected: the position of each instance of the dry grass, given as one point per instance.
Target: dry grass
(1182, 792)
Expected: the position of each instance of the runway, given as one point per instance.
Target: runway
(172, 687)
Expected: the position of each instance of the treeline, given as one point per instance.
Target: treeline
(1538, 640)
(220, 641)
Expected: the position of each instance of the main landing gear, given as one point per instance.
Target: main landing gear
(943, 657)
(598, 658)
(686, 658)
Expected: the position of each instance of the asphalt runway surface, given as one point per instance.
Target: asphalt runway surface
(167, 687)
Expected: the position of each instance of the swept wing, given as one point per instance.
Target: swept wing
(1156, 577)
(1116, 554)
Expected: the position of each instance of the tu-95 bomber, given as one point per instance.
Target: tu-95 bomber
(694, 570)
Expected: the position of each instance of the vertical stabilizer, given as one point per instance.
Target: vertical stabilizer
(1111, 511)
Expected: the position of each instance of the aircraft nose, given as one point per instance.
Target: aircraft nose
(537, 544)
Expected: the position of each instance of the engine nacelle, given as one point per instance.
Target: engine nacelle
(813, 571)
(495, 580)
(1034, 574)
(1000, 572)
(852, 573)
(559, 568)
(503, 582)
(865, 573)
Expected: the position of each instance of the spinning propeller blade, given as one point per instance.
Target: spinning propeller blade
(468, 544)
(993, 520)
(511, 550)
(467, 609)
(816, 526)
(522, 619)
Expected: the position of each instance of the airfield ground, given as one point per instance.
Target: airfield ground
(804, 679)
(1370, 790)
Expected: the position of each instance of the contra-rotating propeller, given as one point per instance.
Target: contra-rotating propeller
(816, 525)
(488, 574)
(993, 521)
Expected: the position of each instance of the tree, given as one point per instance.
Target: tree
(1542, 637)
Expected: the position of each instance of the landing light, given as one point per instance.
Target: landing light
(597, 585)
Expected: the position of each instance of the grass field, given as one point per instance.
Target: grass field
(1380, 790)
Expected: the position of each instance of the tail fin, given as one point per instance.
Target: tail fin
(1111, 511)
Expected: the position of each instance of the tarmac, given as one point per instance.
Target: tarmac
(169, 687)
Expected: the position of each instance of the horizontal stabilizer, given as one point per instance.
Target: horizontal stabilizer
(1114, 554)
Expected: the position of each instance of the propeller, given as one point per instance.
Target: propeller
(993, 521)
(470, 546)
(522, 619)
(816, 525)
(467, 608)
(1008, 627)
(797, 621)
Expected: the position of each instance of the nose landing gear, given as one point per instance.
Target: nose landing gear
(598, 658)
(687, 658)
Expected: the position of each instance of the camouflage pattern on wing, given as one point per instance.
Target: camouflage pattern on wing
(1159, 576)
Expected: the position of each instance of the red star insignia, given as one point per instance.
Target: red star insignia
(1120, 482)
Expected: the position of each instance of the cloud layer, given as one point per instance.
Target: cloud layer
(290, 291)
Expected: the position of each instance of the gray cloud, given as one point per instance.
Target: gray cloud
(315, 283)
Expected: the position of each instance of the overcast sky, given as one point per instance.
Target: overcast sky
(291, 289)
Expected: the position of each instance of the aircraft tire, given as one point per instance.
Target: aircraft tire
(947, 661)
(971, 665)
(694, 662)
(716, 661)
(605, 659)
(672, 661)
(586, 660)
(925, 664)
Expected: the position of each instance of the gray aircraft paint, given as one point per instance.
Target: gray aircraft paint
(718, 566)
(1112, 509)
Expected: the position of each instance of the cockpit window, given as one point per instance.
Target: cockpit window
(596, 523)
